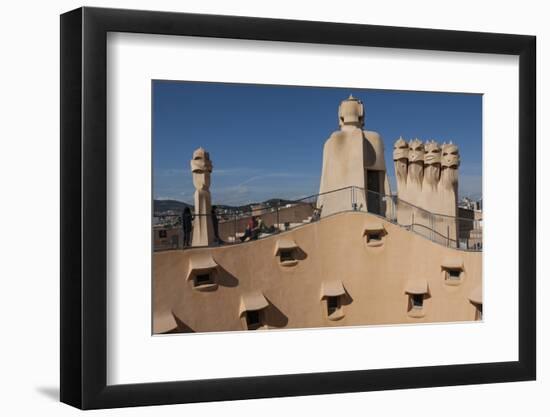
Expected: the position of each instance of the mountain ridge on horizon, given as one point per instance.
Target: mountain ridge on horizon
(162, 205)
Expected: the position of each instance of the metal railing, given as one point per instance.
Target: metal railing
(236, 226)
(451, 231)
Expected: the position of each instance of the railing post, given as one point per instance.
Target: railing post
(234, 227)
(432, 227)
(448, 235)
(278, 224)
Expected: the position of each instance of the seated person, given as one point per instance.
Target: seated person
(251, 232)
(263, 228)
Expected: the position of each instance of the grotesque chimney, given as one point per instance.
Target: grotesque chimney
(353, 161)
(201, 168)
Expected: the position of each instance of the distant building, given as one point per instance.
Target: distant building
(257, 209)
(470, 204)
(167, 237)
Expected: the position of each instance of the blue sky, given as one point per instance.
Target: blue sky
(267, 141)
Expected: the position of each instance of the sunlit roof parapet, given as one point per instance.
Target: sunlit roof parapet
(416, 286)
(200, 263)
(253, 301)
(333, 288)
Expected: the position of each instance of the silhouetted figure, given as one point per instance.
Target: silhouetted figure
(215, 225)
(316, 214)
(187, 225)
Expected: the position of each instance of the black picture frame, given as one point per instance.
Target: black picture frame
(84, 207)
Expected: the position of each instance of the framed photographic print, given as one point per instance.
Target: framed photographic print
(258, 208)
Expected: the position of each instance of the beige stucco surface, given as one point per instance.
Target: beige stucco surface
(375, 279)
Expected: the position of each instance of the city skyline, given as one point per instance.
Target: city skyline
(267, 141)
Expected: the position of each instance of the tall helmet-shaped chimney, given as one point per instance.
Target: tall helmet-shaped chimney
(201, 168)
(353, 162)
(351, 112)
